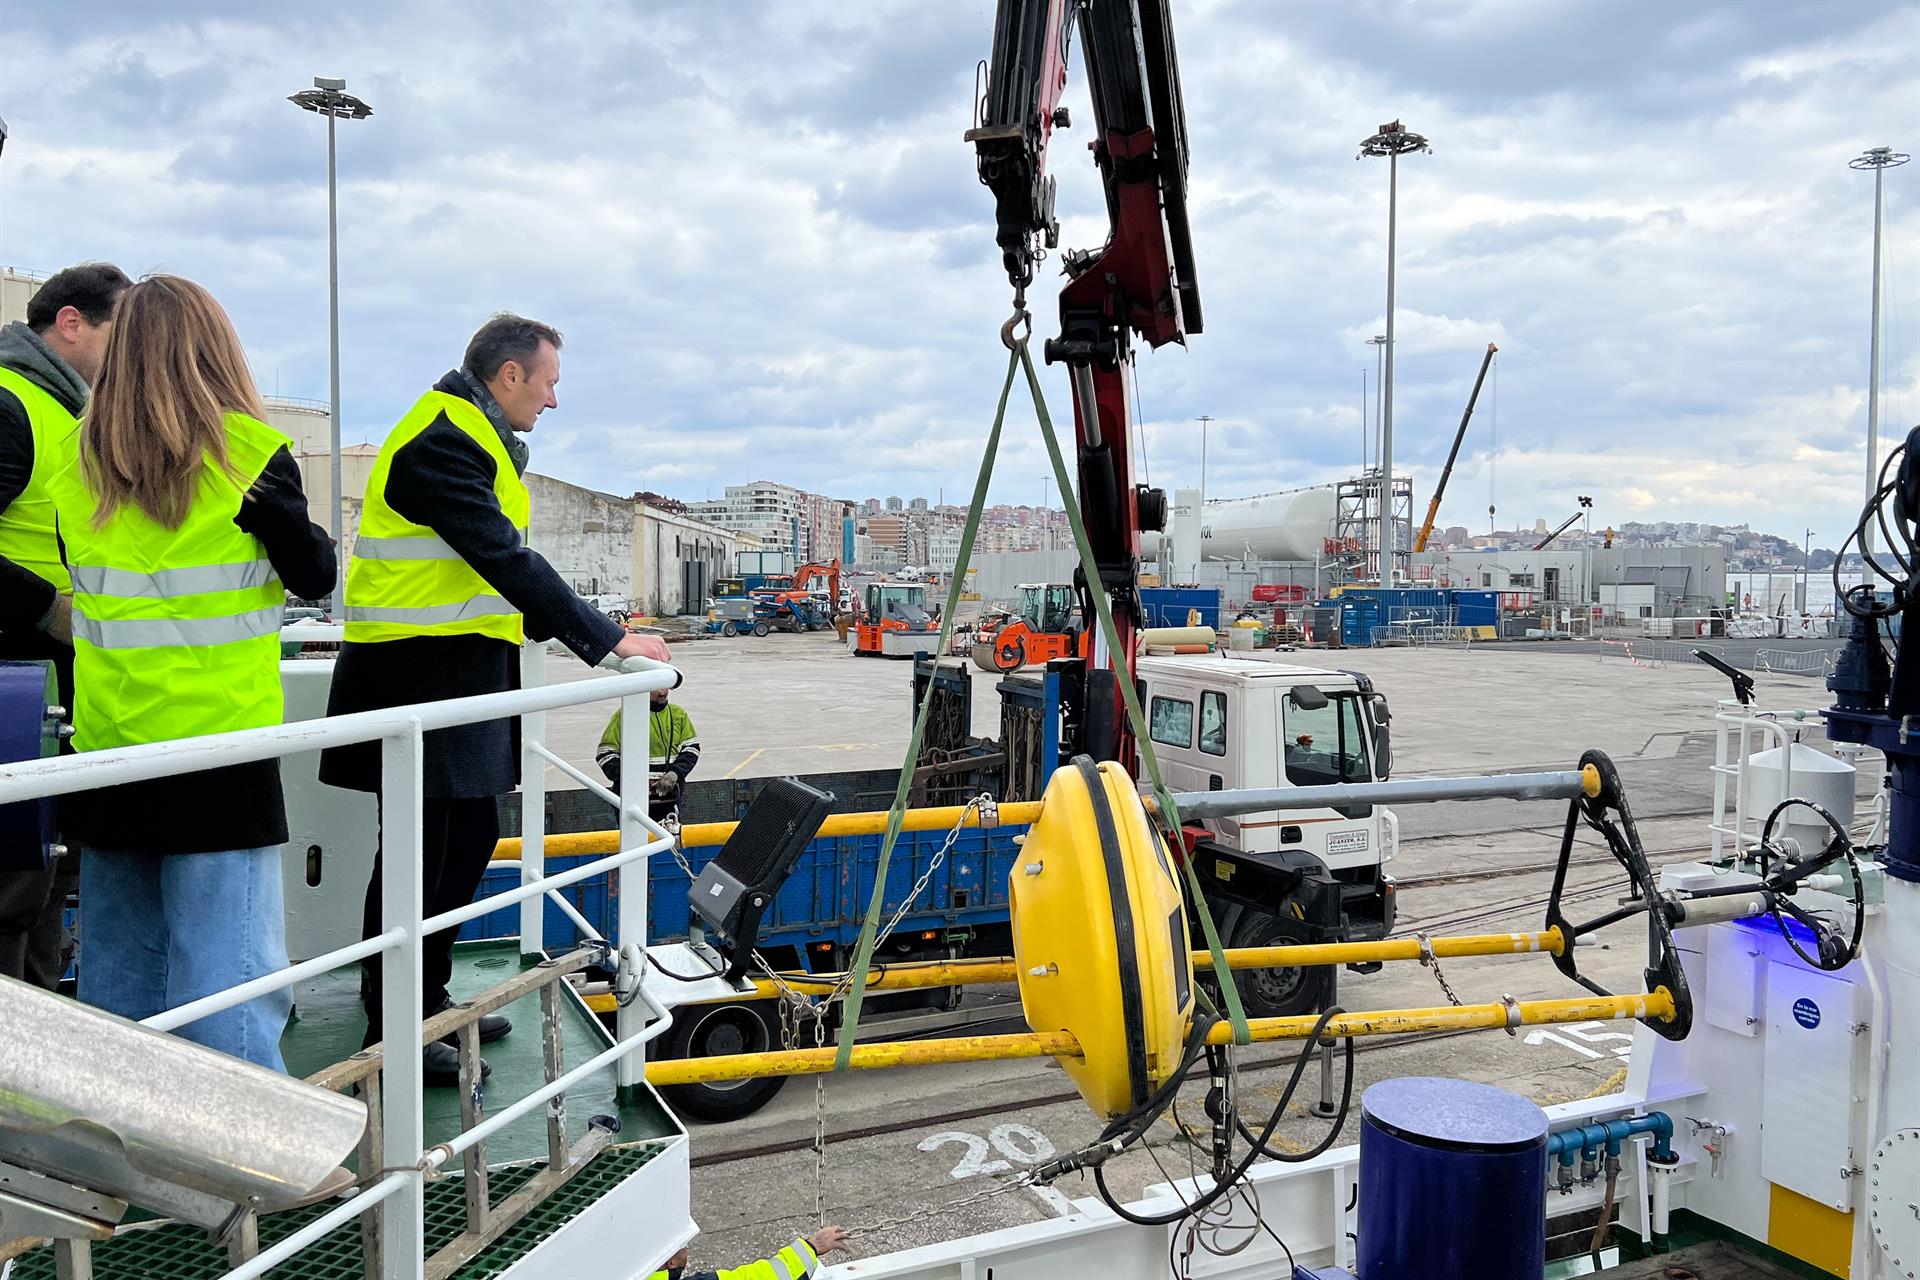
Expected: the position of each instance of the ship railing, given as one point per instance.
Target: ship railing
(1739, 732)
(392, 1084)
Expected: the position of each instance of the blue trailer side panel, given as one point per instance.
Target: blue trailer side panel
(823, 900)
(1169, 606)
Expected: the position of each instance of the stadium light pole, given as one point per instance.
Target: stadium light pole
(3, 145)
(1392, 141)
(329, 98)
(1878, 159)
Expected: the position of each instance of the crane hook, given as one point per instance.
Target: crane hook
(1020, 315)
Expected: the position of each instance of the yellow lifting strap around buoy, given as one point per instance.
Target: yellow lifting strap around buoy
(1100, 937)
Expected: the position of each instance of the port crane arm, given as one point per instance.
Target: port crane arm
(1139, 283)
(1440, 490)
(1547, 541)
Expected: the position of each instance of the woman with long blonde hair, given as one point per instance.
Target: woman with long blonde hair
(184, 525)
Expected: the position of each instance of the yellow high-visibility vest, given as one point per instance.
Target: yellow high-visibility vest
(404, 580)
(26, 526)
(176, 632)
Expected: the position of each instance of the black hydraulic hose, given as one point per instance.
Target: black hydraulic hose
(1226, 1184)
(1320, 1148)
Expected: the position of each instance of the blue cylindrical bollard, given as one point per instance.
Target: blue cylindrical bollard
(1453, 1182)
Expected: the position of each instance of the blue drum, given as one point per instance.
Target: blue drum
(1453, 1182)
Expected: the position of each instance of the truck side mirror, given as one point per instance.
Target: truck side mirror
(1306, 697)
(1382, 738)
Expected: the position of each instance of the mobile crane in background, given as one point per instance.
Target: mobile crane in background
(1446, 472)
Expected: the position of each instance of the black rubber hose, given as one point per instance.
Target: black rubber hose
(1226, 1184)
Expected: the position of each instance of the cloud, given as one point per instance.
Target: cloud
(761, 232)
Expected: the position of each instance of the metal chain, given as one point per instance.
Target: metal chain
(794, 1005)
(1432, 962)
(1000, 1187)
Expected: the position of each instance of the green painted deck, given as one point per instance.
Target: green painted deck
(175, 1251)
(327, 1028)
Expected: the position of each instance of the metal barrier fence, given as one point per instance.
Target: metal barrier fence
(1661, 652)
(1817, 663)
(397, 1198)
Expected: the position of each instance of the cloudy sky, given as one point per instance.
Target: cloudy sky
(761, 233)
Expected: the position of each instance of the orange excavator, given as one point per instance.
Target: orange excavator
(794, 605)
(1043, 625)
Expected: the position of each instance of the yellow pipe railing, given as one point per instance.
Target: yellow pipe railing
(702, 834)
(961, 973)
(1657, 1004)
(918, 975)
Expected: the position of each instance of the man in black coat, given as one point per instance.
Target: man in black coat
(441, 478)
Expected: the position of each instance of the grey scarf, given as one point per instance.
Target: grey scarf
(483, 400)
(27, 354)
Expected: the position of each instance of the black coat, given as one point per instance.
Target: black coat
(444, 480)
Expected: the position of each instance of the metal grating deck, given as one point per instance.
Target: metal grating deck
(176, 1251)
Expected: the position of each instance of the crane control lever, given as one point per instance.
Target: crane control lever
(1742, 682)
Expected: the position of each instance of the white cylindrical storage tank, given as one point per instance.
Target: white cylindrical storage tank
(1271, 526)
(1814, 776)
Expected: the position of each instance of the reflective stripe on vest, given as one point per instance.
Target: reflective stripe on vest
(175, 631)
(26, 526)
(404, 580)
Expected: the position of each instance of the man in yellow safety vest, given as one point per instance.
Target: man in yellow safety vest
(47, 366)
(796, 1261)
(441, 591)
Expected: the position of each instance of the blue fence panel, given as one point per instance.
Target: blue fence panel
(1477, 608)
(1169, 606)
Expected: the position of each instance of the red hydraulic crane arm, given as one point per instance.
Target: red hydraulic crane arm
(1446, 472)
(1140, 282)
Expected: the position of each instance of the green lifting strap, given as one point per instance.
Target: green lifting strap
(863, 949)
(1169, 812)
(869, 930)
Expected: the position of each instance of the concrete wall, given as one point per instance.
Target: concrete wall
(668, 549)
(1689, 579)
(16, 289)
(584, 535)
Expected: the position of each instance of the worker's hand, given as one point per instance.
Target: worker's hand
(664, 785)
(827, 1239)
(60, 620)
(635, 645)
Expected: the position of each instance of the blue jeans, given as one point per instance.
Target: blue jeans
(159, 930)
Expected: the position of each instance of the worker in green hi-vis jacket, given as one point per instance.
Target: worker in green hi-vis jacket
(673, 748)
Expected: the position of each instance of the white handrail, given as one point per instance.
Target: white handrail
(279, 1253)
(63, 775)
(232, 997)
(399, 731)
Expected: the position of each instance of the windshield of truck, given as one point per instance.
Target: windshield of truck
(1327, 745)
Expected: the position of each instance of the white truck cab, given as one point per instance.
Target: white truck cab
(1223, 722)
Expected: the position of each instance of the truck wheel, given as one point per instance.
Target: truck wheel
(761, 628)
(728, 630)
(1276, 993)
(708, 1030)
